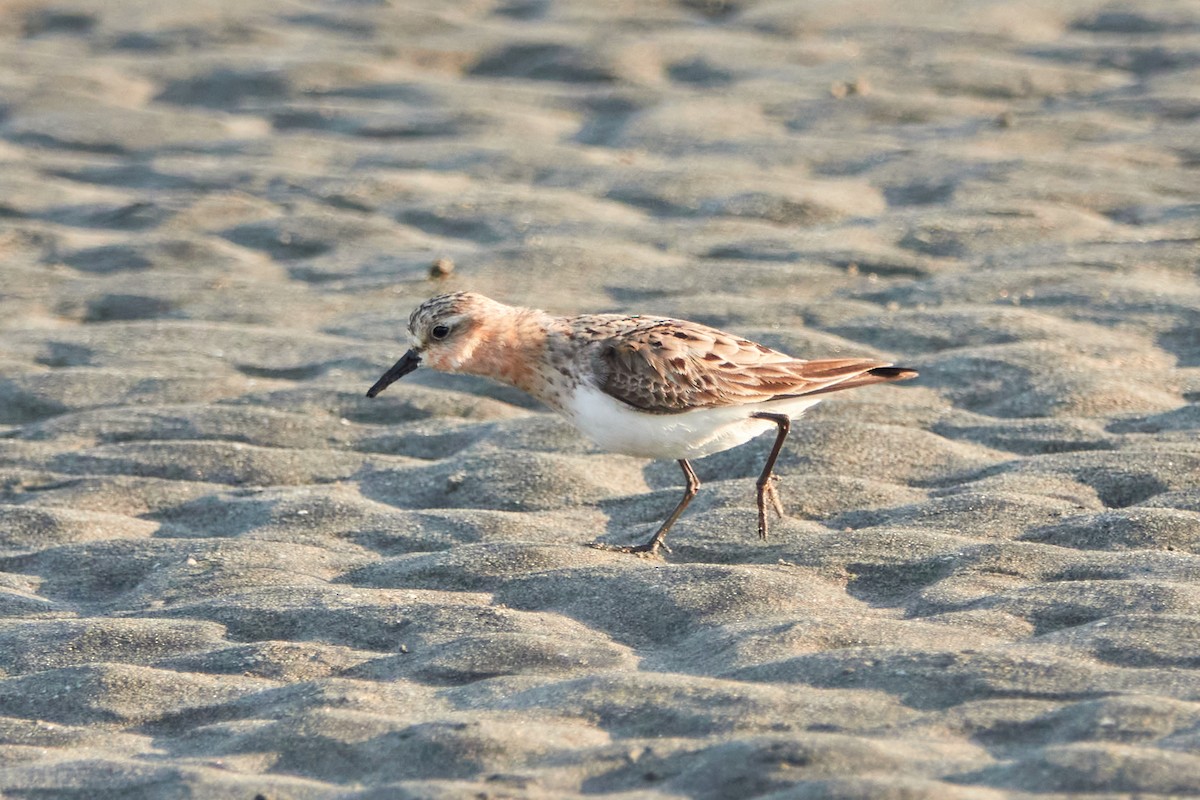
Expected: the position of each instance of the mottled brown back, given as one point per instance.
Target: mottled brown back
(669, 366)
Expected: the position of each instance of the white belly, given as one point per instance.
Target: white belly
(620, 428)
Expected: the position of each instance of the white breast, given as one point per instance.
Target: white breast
(620, 428)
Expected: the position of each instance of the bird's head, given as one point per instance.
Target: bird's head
(443, 333)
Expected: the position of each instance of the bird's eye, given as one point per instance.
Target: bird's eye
(440, 331)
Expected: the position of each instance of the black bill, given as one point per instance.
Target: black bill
(407, 363)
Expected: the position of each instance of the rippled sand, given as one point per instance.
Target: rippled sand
(226, 573)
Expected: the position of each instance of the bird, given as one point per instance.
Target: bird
(646, 386)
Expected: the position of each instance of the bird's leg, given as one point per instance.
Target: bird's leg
(656, 541)
(766, 481)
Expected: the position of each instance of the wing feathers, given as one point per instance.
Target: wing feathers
(670, 366)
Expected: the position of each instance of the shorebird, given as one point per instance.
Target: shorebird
(645, 386)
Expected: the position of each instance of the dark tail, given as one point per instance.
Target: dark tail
(871, 376)
(893, 373)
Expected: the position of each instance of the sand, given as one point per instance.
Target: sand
(225, 573)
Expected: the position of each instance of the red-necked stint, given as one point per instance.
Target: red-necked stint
(644, 386)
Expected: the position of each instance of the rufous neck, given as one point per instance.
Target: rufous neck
(510, 347)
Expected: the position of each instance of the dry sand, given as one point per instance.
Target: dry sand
(226, 574)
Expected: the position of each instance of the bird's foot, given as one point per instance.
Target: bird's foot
(647, 550)
(773, 496)
(768, 492)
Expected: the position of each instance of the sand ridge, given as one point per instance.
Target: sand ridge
(226, 573)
